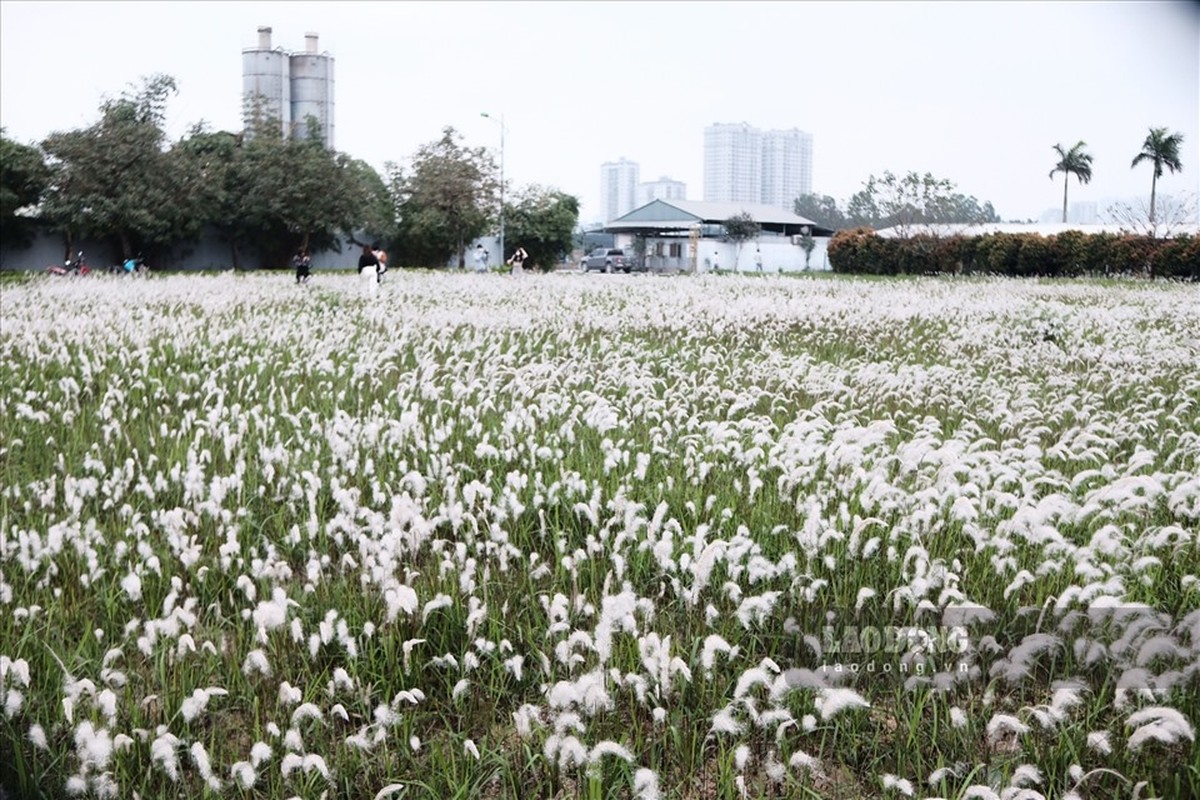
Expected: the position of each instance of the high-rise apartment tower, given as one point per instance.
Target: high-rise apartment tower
(618, 187)
(743, 164)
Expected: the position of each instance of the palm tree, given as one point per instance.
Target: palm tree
(1163, 151)
(1073, 161)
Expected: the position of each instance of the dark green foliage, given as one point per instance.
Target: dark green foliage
(24, 176)
(739, 229)
(821, 209)
(911, 201)
(807, 244)
(1068, 254)
(115, 178)
(445, 201)
(542, 221)
(121, 180)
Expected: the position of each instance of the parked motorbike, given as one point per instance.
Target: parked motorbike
(76, 266)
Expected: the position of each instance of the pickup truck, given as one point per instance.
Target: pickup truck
(608, 259)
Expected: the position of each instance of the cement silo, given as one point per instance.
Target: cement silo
(266, 83)
(312, 90)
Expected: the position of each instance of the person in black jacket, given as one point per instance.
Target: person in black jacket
(303, 264)
(368, 270)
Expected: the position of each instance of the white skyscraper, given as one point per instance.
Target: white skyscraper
(747, 165)
(618, 187)
(732, 163)
(786, 167)
(662, 189)
(1083, 212)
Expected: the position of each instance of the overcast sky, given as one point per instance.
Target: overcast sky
(975, 92)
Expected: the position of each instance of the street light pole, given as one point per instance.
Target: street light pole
(501, 123)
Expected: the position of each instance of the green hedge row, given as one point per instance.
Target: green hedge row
(1068, 254)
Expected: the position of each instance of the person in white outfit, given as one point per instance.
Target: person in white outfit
(481, 258)
(368, 271)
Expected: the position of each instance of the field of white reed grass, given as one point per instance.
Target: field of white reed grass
(599, 537)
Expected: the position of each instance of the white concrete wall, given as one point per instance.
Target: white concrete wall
(209, 253)
(779, 255)
(491, 244)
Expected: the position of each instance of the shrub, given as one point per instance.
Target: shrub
(1178, 258)
(997, 253)
(1068, 254)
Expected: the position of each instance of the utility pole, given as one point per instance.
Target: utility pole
(500, 122)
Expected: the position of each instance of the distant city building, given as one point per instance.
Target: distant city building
(662, 189)
(732, 163)
(290, 87)
(1083, 213)
(743, 164)
(786, 167)
(618, 187)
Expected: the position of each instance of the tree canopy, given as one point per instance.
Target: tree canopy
(739, 229)
(542, 220)
(821, 209)
(1077, 162)
(913, 201)
(114, 178)
(24, 177)
(444, 201)
(1162, 150)
(121, 180)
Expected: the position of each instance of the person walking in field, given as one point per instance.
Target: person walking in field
(381, 259)
(481, 258)
(303, 264)
(368, 271)
(758, 259)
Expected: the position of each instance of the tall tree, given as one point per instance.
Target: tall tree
(297, 193)
(375, 215)
(821, 209)
(912, 201)
(1174, 212)
(739, 229)
(807, 244)
(542, 220)
(1072, 162)
(115, 178)
(445, 200)
(24, 176)
(211, 164)
(1162, 150)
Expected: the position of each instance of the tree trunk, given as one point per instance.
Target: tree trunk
(1153, 186)
(1066, 178)
(126, 250)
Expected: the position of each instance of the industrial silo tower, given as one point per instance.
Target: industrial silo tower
(312, 90)
(266, 84)
(290, 87)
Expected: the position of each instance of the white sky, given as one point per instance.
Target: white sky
(975, 92)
